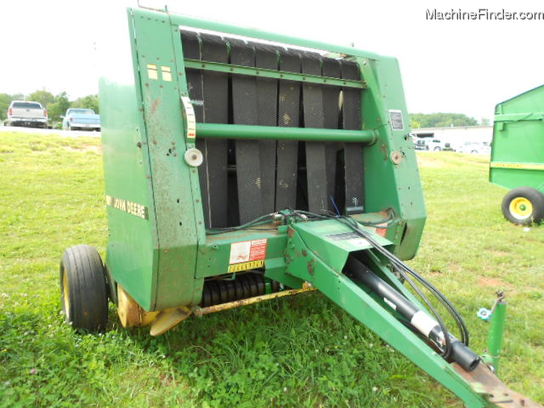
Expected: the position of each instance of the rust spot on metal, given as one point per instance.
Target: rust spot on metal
(291, 232)
(311, 270)
(155, 105)
(304, 252)
(288, 258)
(383, 148)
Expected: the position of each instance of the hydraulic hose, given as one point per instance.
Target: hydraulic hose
(416, 317)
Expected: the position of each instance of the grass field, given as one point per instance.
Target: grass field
(300, 351)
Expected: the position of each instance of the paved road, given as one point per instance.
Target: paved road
(68, 133)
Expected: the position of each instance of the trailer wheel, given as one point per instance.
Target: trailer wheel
(523, 206)
(83, 288)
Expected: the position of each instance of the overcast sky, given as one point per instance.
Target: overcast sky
(447, 66)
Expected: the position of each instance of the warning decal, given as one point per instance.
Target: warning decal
(350, 237)
(247, 255)
(191, 118)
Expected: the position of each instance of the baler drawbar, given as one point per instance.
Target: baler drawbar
(243, 166)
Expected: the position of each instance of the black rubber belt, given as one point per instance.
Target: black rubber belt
(191, 49)
(331, 114)
(316, 169)
(267, 109)
(213, 172)
(244, 110)
(288, 116)
(353, 152)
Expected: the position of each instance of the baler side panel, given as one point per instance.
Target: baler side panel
(131, 256)
(172, 190)
(389, 184)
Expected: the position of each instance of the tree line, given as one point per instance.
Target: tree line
(56, 105)
(431, 120)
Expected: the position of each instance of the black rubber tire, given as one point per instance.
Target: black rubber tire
(534, 196)
(437, 149)
(86, 303)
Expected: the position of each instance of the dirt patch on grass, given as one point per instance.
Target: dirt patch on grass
(488, 282)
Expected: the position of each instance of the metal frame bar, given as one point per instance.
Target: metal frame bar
(265, 35)
(201, 311)
(271, 73)
(223, 131)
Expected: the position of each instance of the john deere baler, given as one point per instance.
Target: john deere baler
(243, 166)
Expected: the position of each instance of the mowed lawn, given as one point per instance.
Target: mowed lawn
(300, 351)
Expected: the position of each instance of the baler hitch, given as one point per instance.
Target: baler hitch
(365, 283)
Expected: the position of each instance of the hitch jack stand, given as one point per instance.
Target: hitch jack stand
(496, 333)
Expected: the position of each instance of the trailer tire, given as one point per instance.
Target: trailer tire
(83, 289)
(523, 206)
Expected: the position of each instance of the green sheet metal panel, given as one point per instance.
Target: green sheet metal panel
(517, 156)
(153, 257)
(133, 241)
(391, 173)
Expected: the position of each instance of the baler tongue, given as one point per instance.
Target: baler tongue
(485, 382)
(351, 265)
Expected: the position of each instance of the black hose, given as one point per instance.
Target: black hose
(404, 271)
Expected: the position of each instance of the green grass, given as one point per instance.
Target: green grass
(300, 351)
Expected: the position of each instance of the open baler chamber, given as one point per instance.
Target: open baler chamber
(243, 166)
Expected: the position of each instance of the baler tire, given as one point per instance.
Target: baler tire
(523, 206)
(83, 289)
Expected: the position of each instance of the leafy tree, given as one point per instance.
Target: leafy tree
(426, 120)
(58, 107)
(414, 124)
(5, 100)
(89, 102)
(42, 96)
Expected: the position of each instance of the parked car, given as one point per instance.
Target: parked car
(81, 118)
(475, 148)
(26, 113)
(420, 144)
(437, 145)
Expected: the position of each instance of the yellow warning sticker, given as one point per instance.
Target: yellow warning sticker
(152, 72)
(191, 118)
(166, 73)
(245, 266)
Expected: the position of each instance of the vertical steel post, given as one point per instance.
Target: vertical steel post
(496, 333)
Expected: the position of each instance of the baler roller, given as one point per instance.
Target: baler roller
(217, 291)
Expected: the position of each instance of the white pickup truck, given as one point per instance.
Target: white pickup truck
(26, 113)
